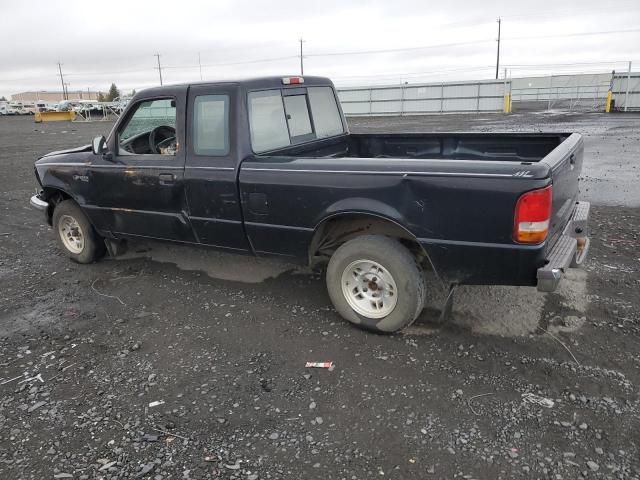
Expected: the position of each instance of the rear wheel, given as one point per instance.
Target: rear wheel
(75, 233)
(375, 283)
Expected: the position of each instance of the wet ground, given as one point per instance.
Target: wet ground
(185, 363)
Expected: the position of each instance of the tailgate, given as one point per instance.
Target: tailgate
(565, 162)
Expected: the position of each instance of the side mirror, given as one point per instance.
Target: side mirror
(98, 145)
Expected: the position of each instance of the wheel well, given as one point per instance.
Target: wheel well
(335, 231)
(54, 196)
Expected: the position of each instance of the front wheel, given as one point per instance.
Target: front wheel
(375, 283)
(75, 233)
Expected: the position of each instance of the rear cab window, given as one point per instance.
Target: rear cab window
(279, 118)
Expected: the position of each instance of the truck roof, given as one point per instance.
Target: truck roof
(247, 83)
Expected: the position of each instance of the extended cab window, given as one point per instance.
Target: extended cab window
(326, 116)
(277, 121)
(211, 125)
(268, 126)
(151, 129)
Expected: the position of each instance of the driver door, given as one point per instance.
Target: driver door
(140, 191)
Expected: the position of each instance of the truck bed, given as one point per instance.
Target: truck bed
(456, 192)
(510, 147)
(503, 147)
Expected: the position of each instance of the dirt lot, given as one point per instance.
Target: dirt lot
(222, 342)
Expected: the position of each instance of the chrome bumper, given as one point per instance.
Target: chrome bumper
(569, 251)
(36, 202)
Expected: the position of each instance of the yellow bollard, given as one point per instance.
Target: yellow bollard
(507, 103)
(607, 105)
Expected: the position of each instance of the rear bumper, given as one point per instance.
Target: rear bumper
(38, 203)
(569, 251)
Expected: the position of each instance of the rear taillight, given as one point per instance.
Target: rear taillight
(532, 217)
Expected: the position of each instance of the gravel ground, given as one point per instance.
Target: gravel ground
(169, 364)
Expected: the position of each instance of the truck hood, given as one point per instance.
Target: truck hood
(84, 148)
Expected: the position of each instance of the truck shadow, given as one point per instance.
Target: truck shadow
(509, 311)
(486, 310)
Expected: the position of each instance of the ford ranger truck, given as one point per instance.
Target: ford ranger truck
(268, 167)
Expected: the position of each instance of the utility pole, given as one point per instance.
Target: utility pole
(626, 95)
(200, 65)
(157, 55)
(64, 94)
(498, 55)
(301, 57)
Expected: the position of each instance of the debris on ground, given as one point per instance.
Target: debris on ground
(319, 365)
(537, 400)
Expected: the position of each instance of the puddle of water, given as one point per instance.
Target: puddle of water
(219, 265)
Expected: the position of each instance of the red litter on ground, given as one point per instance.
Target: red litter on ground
(319, 365)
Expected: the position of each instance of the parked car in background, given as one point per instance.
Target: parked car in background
(67, 105)
(87, 107)
(29, 108)
(17, 108)
(119, 104)
(41, 106)
(268, 167)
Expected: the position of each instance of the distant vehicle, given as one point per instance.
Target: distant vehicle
(268, 167)
(41, 106)
(119, 104)
(17, 108)
(29, 108)
(67, 105)
(3, 108)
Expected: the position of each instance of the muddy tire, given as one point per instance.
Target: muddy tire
(75, 234)
(375, 283)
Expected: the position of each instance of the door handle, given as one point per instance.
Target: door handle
(166, 178)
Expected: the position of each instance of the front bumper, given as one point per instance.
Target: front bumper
(569, 251)
(38, 203)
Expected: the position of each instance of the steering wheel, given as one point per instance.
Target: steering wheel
(160, 135)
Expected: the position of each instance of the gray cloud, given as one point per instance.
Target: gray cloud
(115, 41)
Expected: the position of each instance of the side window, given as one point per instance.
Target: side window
(151, 129)
(267, 121)
(297, 115)
(326, 116)
(211, 125)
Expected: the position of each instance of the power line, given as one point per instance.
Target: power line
(423, 74)
(276, 59)
(576, 34)
(392, 50)
(111, 72)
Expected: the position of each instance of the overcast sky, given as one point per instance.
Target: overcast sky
(115, 41)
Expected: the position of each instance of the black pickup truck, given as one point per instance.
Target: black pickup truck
(268, 167)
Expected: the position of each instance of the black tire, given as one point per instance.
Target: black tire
(391, 255)
(93, 245)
